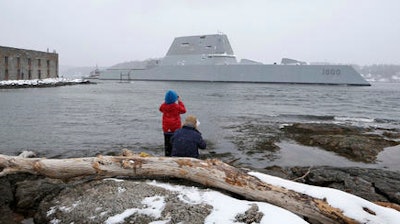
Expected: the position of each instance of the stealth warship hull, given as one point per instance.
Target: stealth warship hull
(210, 58)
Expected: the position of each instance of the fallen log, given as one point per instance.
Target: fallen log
(211, 173)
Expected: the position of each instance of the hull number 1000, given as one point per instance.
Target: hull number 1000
(331, 71)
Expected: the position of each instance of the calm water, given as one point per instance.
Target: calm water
(85, 120)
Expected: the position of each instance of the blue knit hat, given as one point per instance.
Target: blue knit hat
(171, 97)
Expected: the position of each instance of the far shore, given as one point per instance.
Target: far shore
(41, 83)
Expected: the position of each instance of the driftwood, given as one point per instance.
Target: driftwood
(212, 173)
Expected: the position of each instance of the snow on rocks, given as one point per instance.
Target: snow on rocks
(50, 82)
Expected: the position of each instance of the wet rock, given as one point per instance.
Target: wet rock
(354, 143)
(7, 216)
(252, 215)
(6, 194)
(188, 213)
(256, 138)
(8, 203)
(392, 134)
(29, 193)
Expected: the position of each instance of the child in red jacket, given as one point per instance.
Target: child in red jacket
(172, 108)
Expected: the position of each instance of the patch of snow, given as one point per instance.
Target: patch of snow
(121, 190)
(395, 77)
(51, 211)
(55, 221)
(356, 119)
(65, 209)
(154, 207)
(103, 213)
(113, 179)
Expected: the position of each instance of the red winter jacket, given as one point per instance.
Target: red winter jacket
(171, 119)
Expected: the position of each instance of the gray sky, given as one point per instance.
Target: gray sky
(106, 32)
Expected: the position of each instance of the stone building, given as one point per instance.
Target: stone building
(18, 64)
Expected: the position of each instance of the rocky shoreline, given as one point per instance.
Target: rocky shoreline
(358, 144)
(42, 83)
(26, 195)
(354, 143)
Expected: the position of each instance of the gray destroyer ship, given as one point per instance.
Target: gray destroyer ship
(210, 58)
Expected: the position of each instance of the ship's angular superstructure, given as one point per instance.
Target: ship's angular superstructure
(210, 58)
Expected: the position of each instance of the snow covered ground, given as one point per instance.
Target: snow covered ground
(226, 208)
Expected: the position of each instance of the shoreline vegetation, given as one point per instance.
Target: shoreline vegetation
(41, 83)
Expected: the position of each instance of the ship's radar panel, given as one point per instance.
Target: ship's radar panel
(205, 44)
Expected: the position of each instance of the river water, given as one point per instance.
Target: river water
(86, 120)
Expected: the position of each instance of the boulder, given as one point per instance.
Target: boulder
(99, 201)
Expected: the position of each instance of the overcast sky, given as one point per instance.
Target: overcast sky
(106, 32)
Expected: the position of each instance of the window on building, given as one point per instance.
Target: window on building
(22, 76)
(48, 63)
(29, 62)
(18, 62)
(39, 74)
(6, 60)
(39, 62)
(29, 74)
(18, 74)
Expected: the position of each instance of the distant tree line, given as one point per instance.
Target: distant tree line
(380, 72)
